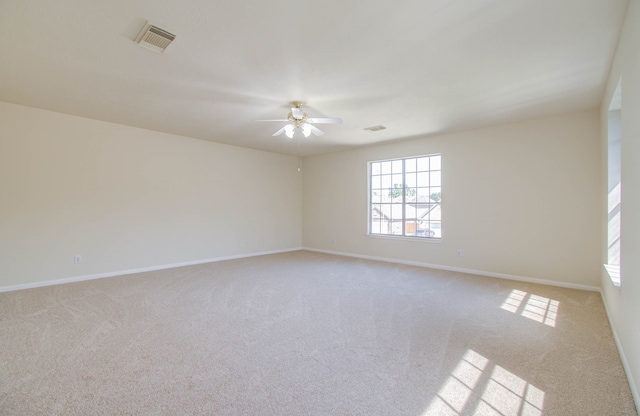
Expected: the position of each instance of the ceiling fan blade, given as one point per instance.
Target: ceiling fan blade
(325, 120)
(316, 131)
(279, 132)
(296, 112)
(282, 119)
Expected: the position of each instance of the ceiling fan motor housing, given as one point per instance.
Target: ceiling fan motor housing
(297, 121)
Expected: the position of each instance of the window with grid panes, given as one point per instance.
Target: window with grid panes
(405, 197)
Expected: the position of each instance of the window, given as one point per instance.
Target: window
(614, 188)
(405, 197)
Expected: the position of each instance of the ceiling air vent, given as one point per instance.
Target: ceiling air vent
(376, 128)
(154, 38)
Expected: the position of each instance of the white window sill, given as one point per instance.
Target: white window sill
(432, 240)
(613, 270)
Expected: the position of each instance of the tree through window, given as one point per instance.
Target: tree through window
(405, 197)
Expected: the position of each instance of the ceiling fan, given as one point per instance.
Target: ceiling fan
(299, 120)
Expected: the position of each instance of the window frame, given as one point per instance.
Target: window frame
(614, 187)
(404, 203)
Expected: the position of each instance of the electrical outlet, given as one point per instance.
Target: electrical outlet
(77, 259)
(459, 253)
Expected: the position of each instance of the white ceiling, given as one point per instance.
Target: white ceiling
(418, 67)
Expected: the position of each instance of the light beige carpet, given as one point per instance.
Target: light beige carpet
(307, 334)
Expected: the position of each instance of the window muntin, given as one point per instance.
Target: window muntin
(405, 197)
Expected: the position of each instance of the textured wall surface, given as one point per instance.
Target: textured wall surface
(126, 198)
(521, 199)
(623, 302)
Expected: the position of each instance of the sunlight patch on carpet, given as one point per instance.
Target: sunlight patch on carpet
(478, 386)
(534, 307)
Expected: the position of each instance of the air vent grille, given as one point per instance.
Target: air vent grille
(154, 38)
(376, 128)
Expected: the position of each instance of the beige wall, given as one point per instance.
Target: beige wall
(127, 198)
(623, 303)
(521, 199)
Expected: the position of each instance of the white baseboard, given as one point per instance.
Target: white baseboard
(623, 357)
(339, 253)
(139, 270)
(462, 270)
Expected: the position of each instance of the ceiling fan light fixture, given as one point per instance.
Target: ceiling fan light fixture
(289, 129)
(306, 130)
